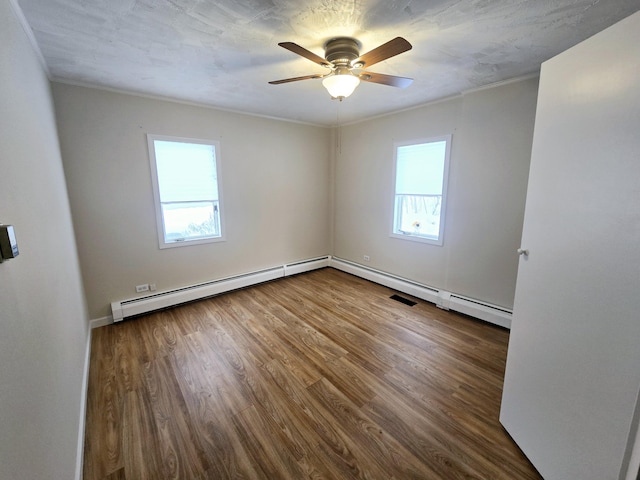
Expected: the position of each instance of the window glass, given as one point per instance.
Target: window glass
(421, 170)
(186, 190)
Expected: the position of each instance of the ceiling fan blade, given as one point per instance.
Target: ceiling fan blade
(295, 48)
(383, 79)
(295, 79)
(387, 50)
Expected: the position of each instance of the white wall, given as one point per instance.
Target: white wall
(43, 319)
(491, 147)
(275, 182)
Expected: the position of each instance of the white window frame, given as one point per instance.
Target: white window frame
(162, 243)
(443, 205)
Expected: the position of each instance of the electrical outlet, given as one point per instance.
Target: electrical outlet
(367, 258)
(142, 288)
(152, 287)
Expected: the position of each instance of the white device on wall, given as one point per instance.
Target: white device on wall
(8, 244)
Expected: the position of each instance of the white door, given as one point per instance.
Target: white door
(573, 368)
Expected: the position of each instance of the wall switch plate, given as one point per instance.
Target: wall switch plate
(142, 288)
(8, 244)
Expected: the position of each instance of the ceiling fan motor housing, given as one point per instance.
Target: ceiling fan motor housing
(342, 50)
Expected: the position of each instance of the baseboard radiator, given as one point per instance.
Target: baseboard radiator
(441, 298)
(141, 305)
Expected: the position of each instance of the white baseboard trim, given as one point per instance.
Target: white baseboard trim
(83, 409)
(441, 298)
(100, 322)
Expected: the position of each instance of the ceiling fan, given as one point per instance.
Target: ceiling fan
(342, 57)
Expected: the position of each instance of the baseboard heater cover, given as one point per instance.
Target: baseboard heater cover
(388, 280)
(484, 311)
(138, 306)
(441, 298)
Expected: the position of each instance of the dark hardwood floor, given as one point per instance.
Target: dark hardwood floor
(317, 376)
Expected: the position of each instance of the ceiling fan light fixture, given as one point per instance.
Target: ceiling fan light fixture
(342, 56)
(341, 85)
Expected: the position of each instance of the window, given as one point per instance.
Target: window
(186, 190)
(421, 170)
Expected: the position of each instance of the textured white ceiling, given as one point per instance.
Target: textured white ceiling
(222, 53)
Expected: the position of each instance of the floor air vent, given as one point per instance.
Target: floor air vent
(400, 299)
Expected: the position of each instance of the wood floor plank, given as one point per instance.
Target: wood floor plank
(181, 452)
(140, 438)
(371, 353)
(267, 336)
(381, 448)
(104, 400)
(351, 379)
(260, 438)
(117, 475)
(316, 376)
(335, 449)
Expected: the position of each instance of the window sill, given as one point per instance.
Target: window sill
(420, 239)
(188, 243)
